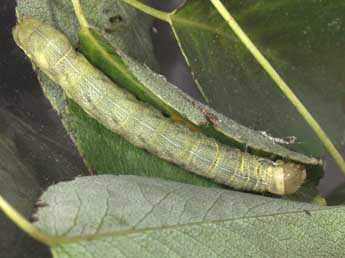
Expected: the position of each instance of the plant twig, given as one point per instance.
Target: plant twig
(79, 13)
(25, 225)
(165, 16)
(280, 83)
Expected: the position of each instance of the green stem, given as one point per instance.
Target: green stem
(79, 13)
(25, 225)
(280, 83)
(165, 16)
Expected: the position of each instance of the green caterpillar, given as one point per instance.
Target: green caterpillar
(144, 126)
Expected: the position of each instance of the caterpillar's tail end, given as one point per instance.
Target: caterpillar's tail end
(287, 178)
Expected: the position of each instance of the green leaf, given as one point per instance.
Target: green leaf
(155, 89)
(131, 36)
(140, 217)
(303, 49)
(105, 152)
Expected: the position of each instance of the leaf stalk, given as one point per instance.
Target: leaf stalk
(280, 83)
(79, 13)
(25, 225)
(165, 16)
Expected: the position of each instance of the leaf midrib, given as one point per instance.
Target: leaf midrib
(131, 231)
(198, 25)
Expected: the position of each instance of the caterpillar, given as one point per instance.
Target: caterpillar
(144, 126)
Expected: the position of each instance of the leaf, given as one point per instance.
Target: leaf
(304, 50)
(154, 88)
(103, 151)
(126, 216)
(60, 14)
(108, 153)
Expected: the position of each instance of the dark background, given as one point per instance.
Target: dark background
(49, 151)
(28, 120)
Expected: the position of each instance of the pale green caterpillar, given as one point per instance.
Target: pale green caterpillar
(144, 126)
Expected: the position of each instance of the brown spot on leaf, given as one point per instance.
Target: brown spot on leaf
(116, 19)
(212, 118)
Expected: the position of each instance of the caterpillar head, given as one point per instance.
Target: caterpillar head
(43, 44)
(286, 177)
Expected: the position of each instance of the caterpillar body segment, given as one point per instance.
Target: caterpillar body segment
(144, 126)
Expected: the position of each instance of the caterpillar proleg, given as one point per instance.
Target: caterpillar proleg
(144, 126)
